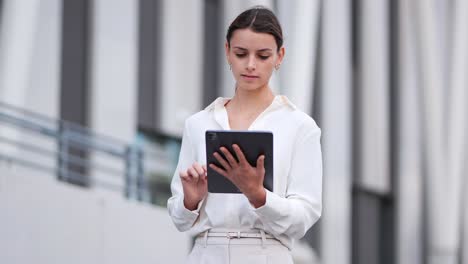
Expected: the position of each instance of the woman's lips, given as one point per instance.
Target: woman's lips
(249, 77)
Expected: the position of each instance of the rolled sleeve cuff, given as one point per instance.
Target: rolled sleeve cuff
(186, 213)
(274, 206)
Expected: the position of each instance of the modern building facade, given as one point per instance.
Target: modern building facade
(385, 80)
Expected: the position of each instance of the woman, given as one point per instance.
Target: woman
(256, 226)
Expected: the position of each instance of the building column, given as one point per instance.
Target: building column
(443, 186)
(458, 128)
(373, 96)
(409, 170)
(113, 60)
(19, 24)
(336, 130)
(181, 64)
(29, 68)
(300, 21)
(371, 124)
(112, 82)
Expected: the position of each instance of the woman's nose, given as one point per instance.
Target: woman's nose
(251, 64)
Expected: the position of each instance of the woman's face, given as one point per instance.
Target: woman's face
(253, 57)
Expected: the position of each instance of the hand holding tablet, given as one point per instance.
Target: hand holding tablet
(239, 161)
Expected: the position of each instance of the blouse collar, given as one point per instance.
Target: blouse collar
(279, 101)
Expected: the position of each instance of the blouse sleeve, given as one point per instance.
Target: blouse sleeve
(181, 216)
(295, 213)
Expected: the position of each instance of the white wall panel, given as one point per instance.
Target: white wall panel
(442, 195)
(18, 28)
(409, 173)
(45, 221)
(113, 84)
(113, 70)
(181, 63)
(373, 87)
(300, 29)
(43, 88)
(336, 131)
(29, 66)
(458, 127)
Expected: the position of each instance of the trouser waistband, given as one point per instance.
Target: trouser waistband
(252, 235)
(237, 234)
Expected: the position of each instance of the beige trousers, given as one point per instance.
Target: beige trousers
(224, 250)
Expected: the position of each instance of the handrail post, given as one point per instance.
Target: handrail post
(63, 153)
(128, 172)
(134, 185)
(140, 174)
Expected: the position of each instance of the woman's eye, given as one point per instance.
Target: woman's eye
(263, 57)
(240, 55)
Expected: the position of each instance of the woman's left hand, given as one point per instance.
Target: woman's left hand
(247, 178)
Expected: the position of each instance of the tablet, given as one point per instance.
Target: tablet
(252, 143)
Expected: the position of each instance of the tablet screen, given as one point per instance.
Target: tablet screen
(252, 143)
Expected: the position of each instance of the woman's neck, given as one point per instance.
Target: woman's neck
(252, 101)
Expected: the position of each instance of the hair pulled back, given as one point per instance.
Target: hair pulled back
(260, 20)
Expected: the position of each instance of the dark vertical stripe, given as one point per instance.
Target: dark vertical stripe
(317, 85)
(356, 119)
(1, 12)
(148, 68)
(366, 223)
(74, 103)
(357, 209)
(313, 236)
(212, 35)
(75, 51)
(387, 231)
(389, 214)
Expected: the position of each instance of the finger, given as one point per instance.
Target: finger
(232, 161)
(204, 175)
(184, 175)
(193, 174)
(219, 170)
(222, 161)
(240, 155)
(198, 168)
(261, 162)
(204, 178)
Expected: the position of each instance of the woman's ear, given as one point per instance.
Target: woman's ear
(281, 53)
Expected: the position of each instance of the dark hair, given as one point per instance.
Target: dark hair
(259, 19)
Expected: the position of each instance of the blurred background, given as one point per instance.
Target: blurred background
(94, 93)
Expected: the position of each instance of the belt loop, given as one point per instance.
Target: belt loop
(205, 239)
(262, 234)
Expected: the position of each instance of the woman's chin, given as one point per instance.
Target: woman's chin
(250, 87)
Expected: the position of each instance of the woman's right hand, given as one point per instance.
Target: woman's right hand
(194, 184)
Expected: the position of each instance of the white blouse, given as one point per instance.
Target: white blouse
(296, 201)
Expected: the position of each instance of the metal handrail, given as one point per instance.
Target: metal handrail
(71, 138)
(43, 119)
